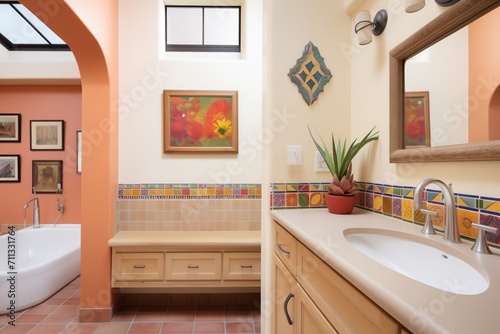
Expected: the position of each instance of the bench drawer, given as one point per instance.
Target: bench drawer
(138, 266)
(241, 266)
(193, 266)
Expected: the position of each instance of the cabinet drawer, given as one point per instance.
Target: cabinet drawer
(347, 308)
(241, 266)
(138, 266)
(193, 266)
(285, 247)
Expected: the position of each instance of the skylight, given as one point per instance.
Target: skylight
(20, 30)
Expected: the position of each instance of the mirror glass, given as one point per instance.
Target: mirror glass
(449, 85)
(444, 88)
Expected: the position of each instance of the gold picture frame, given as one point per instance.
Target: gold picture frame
(200, 121)
(46, 175)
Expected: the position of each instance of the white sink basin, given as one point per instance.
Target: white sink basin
(417, 258)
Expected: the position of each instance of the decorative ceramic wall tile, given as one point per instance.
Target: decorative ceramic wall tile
(188, 190)
(397, 201)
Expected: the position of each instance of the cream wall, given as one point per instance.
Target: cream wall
(370, 105)
(292, 24)
(145, 71)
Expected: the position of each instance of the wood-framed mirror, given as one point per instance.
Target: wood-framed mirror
(454, 19)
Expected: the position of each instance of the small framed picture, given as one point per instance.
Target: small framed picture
(47, 135)
(78, 152)
(46, 175)
(10, 127)
(416, 120)
(10, 168)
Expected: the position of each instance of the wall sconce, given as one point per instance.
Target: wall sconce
(446, 3)
(412, 6)
(365, 27)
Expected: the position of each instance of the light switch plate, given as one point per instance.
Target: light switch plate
(294, 155)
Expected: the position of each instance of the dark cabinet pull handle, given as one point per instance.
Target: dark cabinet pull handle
(246, 266)
(139, 266)
(285, 306)
(193, 267)
(280, 246)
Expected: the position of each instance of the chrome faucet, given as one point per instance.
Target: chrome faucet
(36, 210)
(450, 224)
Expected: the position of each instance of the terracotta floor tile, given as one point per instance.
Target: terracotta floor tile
(152, 308)
(179, 317)
(56, 318)
(60, 314)
(30, 318)
(77, 328)
(239, 317)
(177, 328)
(181, 308)
(42, 309)
(54, 301)
(210, 317)
(210, 308)
(239, 327)
(74, 309)
(17, 329)
(128, 309)
(47, 329)
(237, 308)
(123, 317)
(149, 317)
(257, 327)
(209, 327)
(72, 301)
(112, 328)
(143, 328)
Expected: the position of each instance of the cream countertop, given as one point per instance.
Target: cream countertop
(186, 239)
(420, 308)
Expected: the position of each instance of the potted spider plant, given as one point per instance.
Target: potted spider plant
(341, 196)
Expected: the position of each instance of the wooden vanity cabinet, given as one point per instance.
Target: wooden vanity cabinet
(186, 260)
(322, 298)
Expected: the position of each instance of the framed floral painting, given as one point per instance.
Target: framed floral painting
(200, 121)
(416, 120)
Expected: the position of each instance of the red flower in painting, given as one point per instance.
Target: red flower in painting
(219, 110)
(177, 128)
(415, 129)
(194, 130)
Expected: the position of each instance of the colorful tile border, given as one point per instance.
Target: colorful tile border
(189, 190)
(395, 201)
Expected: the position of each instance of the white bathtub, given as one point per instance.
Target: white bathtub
(46, 259)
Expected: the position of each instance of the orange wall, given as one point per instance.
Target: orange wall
(484, 71)
(90, 28)
(42, 103)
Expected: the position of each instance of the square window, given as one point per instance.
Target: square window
(202, 28)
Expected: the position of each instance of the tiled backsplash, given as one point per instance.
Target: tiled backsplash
(395, 201)
(188, 207)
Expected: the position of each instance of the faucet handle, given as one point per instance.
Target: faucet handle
(428, 227)
(481, 246)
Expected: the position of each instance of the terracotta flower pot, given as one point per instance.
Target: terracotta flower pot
(340, 204)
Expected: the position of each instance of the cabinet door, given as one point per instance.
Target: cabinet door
(347, 308)
(309, 317)
(285, 247)
(284, 285)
